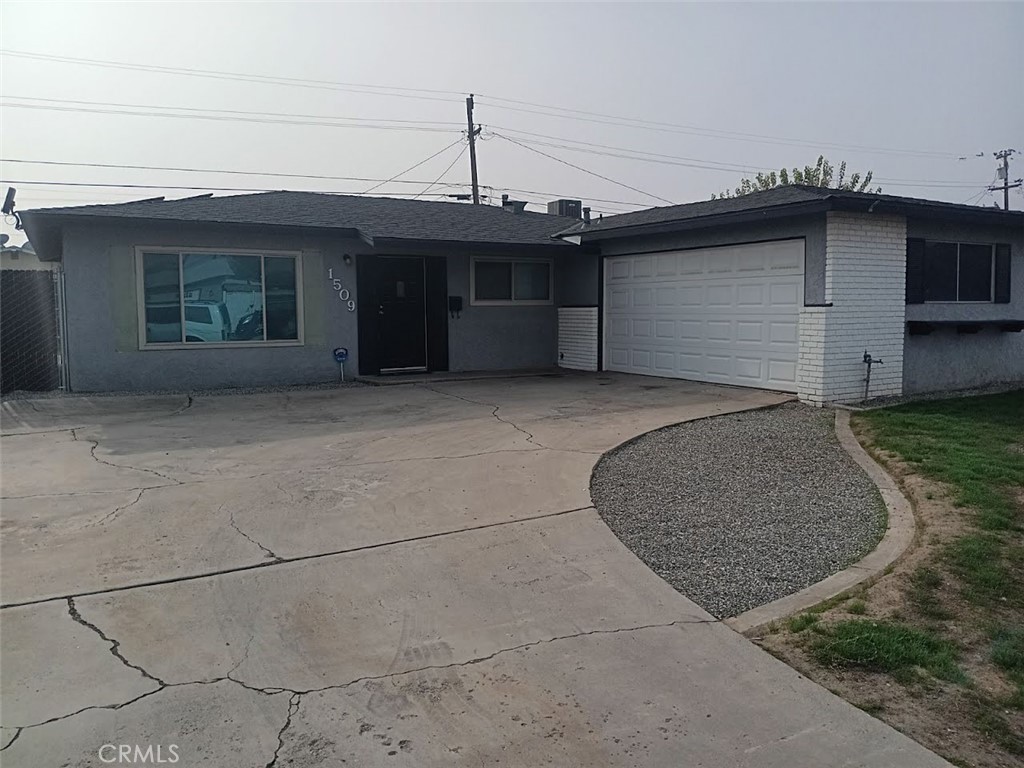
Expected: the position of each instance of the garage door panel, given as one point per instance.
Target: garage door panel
(749, 331)
(666, 265)
(749, 368)
(781, 332)
(690, 363)
(718, 330)
(691, 330)
(781, 371)
(783, 294)
(727, 314)
(642, 328)
(665, 362)
(665, 329)
(640, 358)
(720, 296)
(750, 296)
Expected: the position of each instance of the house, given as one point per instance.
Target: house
(796, 287)
(260, 289)
(21, 257)
(792, 289)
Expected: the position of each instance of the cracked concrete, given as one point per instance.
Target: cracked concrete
(388, 576)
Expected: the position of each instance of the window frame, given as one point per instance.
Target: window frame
(180, 251)
(991, 274)
(513, 302)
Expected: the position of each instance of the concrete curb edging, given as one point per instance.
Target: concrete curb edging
(898, 536)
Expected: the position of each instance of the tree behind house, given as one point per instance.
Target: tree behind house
(822, 174)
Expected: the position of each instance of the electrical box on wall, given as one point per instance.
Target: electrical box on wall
(455, 305)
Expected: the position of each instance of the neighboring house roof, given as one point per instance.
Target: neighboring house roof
(790, 200)
(372, 218)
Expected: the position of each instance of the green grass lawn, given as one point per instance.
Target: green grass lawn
(975, 447)
(975, 444)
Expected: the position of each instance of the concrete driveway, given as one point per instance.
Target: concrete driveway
(399, 576)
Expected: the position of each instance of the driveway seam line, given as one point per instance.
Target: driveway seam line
(296, 695)
(287, 560)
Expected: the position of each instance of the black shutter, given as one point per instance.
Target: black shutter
(1002, 292)
(915, 271)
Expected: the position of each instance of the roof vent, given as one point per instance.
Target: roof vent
(515, 206)
(572, 209)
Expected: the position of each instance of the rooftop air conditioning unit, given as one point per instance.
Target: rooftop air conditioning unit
(573, 209)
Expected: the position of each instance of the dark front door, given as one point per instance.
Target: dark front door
(402, 313)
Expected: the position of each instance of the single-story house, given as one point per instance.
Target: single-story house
(791, 289)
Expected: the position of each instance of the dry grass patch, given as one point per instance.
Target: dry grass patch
(935, 647)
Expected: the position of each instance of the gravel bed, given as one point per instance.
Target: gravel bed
(739, 510)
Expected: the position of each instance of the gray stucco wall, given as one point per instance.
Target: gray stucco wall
(946, 360)
(102, 312)
(576, 279)
(811, 228)
(497, 338)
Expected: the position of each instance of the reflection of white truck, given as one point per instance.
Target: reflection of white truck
(204, 321)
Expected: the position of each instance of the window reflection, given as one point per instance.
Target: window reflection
(222, 297)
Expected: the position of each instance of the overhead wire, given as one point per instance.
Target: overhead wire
(650, 125)
(364, 88)
(227, 118)
(414, 167)
(102, 185)
(584, 170)
(497, 102)
(232, 111)
(324, 177)
(443, 173)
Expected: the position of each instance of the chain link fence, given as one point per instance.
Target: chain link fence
(29, 340)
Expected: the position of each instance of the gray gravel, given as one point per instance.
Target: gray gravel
(736, 511)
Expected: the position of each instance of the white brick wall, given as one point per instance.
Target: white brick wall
(577, 338)
(865, 275)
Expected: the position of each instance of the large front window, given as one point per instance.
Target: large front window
(189, 297)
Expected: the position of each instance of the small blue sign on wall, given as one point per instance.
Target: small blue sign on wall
(340, 355)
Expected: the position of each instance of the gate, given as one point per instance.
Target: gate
(29, 330)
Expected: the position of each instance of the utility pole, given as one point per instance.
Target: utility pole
(473, 132)
(1004, 174)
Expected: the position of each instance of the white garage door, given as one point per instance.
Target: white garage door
(726, 315)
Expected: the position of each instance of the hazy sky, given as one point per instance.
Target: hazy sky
(900, 89)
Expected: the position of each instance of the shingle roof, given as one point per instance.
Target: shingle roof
(779, 198)
(373, 217)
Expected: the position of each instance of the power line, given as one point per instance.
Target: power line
(227, 118)
(202, 189)
(435, 95)
(651, 125)
(411, 125)
(331, 120)
(452, 165)
(579, 168)
(323, 177)
(725, 166)
(375, 90)
(414, 167)
(230, 172)
(233, 111)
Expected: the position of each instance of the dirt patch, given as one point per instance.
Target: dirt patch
(966, 724)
